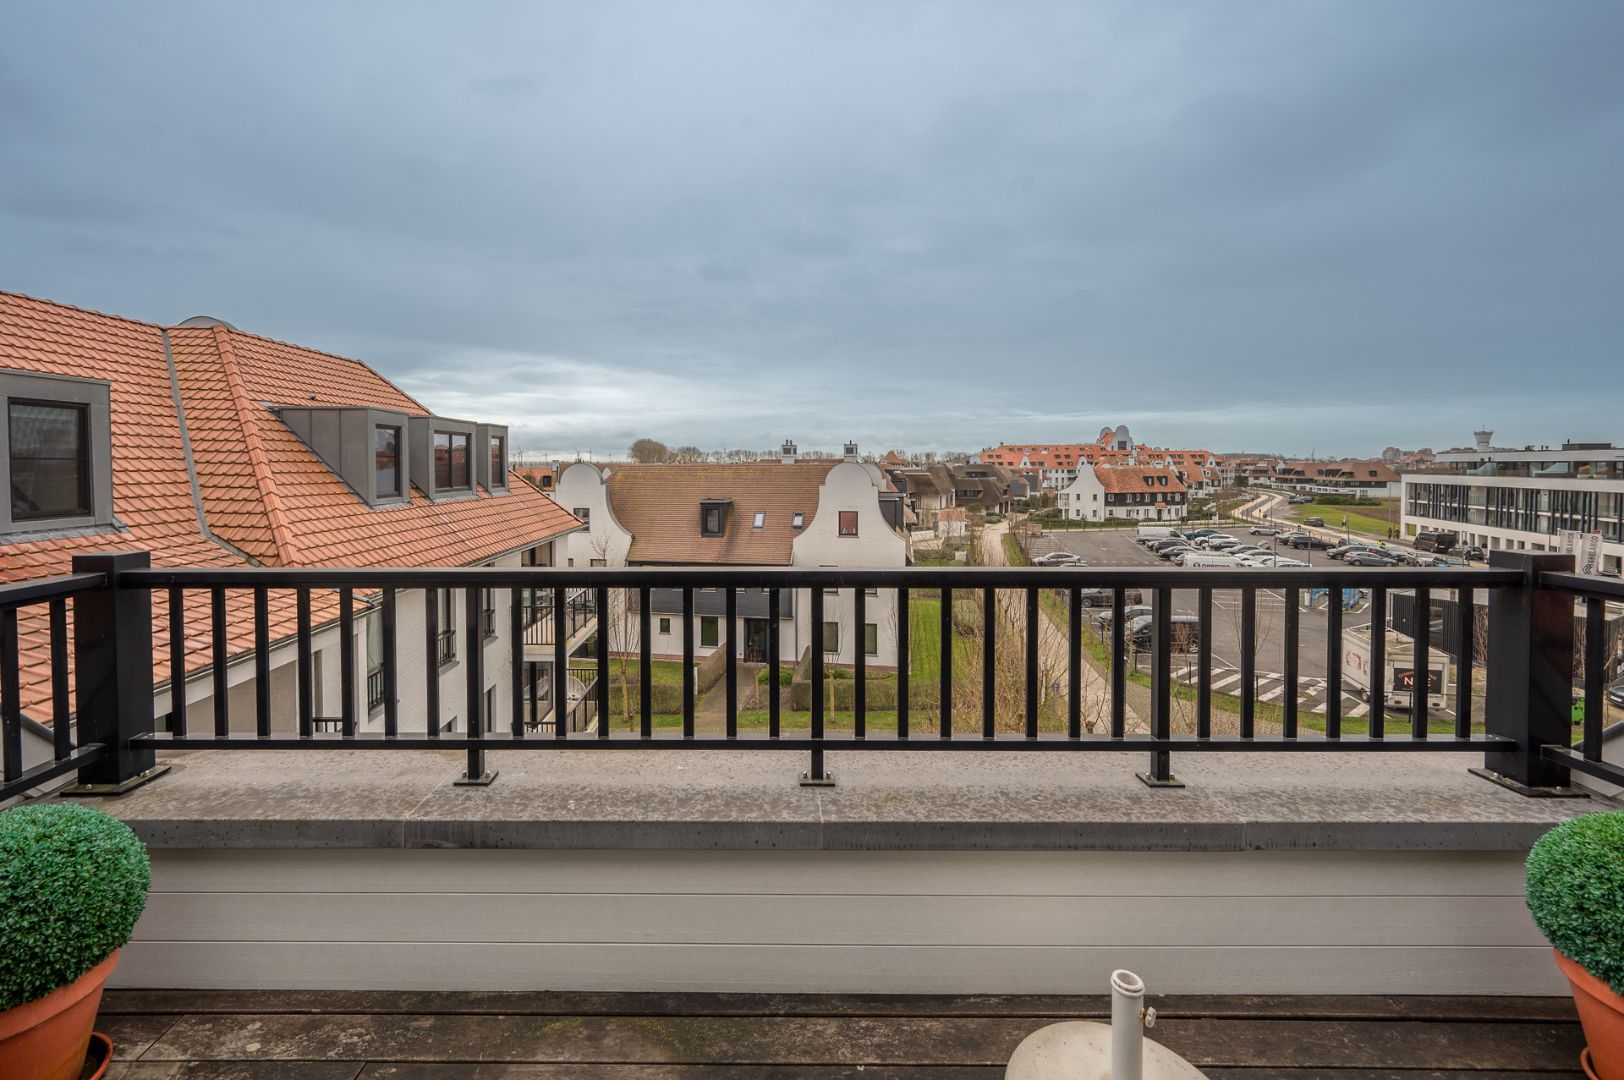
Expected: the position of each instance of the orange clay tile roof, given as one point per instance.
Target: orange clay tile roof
(659, 505)
(1125, 478)
(264, 493)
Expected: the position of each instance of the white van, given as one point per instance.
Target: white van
(1202, 559)
(1147, 533)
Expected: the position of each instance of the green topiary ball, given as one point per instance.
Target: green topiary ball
(1575, 886)
(72, 883)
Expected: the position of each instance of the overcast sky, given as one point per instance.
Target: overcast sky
(1296, 226)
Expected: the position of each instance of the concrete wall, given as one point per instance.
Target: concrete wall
(839, 921)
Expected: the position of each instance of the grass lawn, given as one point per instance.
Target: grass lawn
(1013, 553)
(1370, 520)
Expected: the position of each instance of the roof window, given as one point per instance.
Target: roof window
(760, 520)
(797, 520)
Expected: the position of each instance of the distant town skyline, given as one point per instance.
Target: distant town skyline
(1330, 227)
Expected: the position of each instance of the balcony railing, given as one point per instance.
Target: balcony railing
(104, 679)
(540, 624)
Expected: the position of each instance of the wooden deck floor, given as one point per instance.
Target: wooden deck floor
(214, 1035)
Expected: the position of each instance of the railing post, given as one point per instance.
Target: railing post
(112, 660)
(1529, 695)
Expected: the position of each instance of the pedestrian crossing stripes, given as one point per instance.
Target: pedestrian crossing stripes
(1312, 691)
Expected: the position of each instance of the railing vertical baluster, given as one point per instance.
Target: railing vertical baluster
(516, 680)
(600, 598)
(989, 662)
(561, 659)
(645, 664)
(945, 679)
(1377, 683)
(61, 708)
(730, 639)
(1203, 694)
(346, 660)
(1333, 663)
(859, 686)
(1288, 727)
(1421, 686)
(687, 662)
(262, 663)
(304, 664)
(473, 687)
(1119, 665)
(902, 663)
(1074, 663)
(1466, 633)
(1595, 676)
(177, 661)
(11, 712)
(1034, 643)
(774, 691)
(1160, 773)
(431, 660)
(814, 775)
(1248, 662)
(222, 688)
(113, 675)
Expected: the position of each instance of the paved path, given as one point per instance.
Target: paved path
(1052, 648)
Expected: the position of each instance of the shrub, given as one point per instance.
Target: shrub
(1575, 887)
(72, 883)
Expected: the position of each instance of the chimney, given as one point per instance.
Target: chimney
(1484, 438)
(786, 453)
(851, 451)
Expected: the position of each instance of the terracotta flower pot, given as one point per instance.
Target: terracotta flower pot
(46, 1039)
(1602, 1013)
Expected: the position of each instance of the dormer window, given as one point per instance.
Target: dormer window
(713, 516)
(451, 461)
(492, 441)
(58, 452)
(386, 471)
(498, 461)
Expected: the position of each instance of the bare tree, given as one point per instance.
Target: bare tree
(648, 452)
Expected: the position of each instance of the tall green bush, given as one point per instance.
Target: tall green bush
(72, 883)
(1575, 890)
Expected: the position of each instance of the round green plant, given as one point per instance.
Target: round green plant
(1575, 887)
(72, 883)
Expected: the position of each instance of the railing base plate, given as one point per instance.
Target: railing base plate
(82, 791)
(482, 780)
(826, 780)
(1530, 792)
(1151, 781)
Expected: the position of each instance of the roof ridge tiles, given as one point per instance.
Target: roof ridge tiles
(287, 551)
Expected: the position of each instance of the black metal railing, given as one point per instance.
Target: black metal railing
(539, 626)
(1524, 733)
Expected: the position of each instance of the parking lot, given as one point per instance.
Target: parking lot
(1107, 547)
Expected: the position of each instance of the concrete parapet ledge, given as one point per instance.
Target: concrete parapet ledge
(750, 799)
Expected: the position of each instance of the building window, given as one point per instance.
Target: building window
(797, 520)
(487, 612)
(871, 639)
(375, 662)
(665, 625)
(710, 631)
(710, 523)
(498, 461)
(848, 523)
(386, 462)
(448, 626)
(540, 555)
(49, 446)
(451, 461)
(831, 637)
(583, 514)
(760, 520)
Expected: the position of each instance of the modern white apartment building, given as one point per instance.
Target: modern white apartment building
(1522, 499)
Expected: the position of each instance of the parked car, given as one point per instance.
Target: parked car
(1159, 545)
(1368, 558)
(1314, 522)
(1185, 631)
(1414, 558)
(1439, 540)
(1303, 540)
(1176, 549)
(1219, 543)
(1347, 549)
(1615, 693)
(1263, 530)
(1471, 553)
(1058, 558)
(1093, 598)
(1195, 534)
(1129, 614)
(1300, 500)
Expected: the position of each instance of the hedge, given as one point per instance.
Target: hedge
(72, 883)
(882, 694)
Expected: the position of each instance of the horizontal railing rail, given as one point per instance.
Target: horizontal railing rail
(914, 658)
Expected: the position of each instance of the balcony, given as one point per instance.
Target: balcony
(546, 623)
(981, 834)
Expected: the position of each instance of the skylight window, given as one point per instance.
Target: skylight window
(760, 520)
(797, 520)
